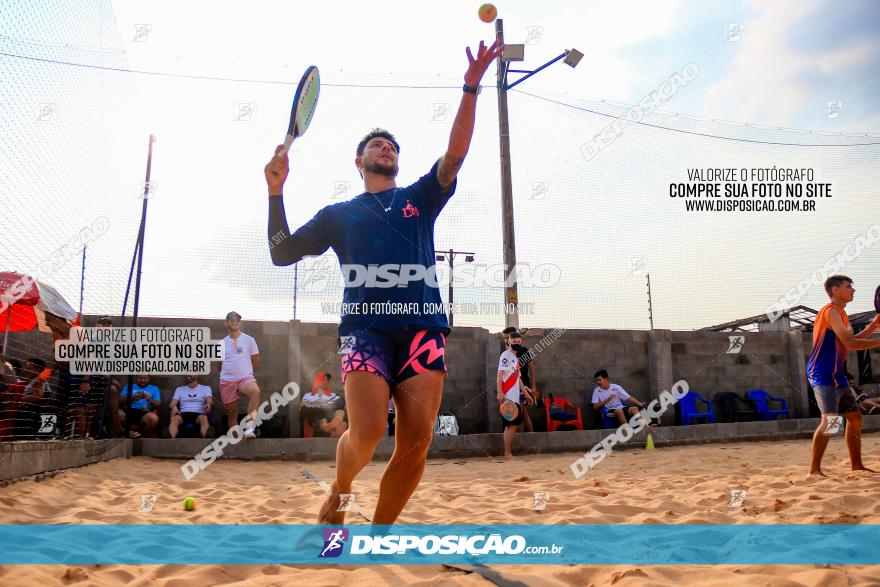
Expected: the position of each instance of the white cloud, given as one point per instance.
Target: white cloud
(766, 81)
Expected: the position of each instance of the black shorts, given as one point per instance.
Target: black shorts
(516, 421)
(133, 417)
(190, 417)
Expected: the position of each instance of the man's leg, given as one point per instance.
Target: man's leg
(203, 424)
(621, 418)
(820, 442)
(231, 414)
(366, 398)
(173, 425)
(527, 421)
(229, 396)
(115, 416)
(854, 440)
(509, 433)
(80, 418)
(149, 423)
(417, 401)
(91, 412)
(252, 391)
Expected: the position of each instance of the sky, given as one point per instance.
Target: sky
(213, 81)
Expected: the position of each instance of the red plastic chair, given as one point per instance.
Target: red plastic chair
(567, 406)
(308, 431)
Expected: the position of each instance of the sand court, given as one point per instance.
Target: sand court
(681, 485)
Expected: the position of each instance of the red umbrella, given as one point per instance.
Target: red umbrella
(24, 302)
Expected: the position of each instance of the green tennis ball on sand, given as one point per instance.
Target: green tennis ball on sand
(189, 504)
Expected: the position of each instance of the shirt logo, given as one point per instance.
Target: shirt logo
(409, 210)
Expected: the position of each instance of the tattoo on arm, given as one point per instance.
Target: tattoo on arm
(448, 169)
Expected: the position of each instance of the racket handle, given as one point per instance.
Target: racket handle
(288, 140)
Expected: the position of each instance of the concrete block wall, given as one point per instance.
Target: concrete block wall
(643, 362)
(702, 359)
(25, 458)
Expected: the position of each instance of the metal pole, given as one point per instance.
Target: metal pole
(139, 252)
(140, 262)
(82, 281)
(451, 269)
(650, 305)
(509, 241)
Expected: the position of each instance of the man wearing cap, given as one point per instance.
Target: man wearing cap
(241, 358)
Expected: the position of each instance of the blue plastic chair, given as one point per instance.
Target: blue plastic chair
(761, 400)
(608, 421)
(192, 430)
(689, 411)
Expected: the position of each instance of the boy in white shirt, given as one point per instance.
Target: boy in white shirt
(241, 358)
(611, 398)
(509, 385)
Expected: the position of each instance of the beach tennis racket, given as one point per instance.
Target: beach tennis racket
(509, 410)
(877, 299)
(303, 109)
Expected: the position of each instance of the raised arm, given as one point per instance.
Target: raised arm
(463, 127)
(286, 248)
(845, 335)
(870, 328)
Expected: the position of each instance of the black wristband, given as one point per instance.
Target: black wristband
(471, 89)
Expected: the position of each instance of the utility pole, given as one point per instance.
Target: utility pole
(513, 53)
(507, 228)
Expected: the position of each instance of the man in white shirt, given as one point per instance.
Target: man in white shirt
(509, 385)
(191, 404)
(611, 398)
(241, 358)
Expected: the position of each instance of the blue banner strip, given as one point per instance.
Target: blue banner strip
(643, 544)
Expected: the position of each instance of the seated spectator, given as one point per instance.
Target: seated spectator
(323, 409)
(143, 412)
(191, 404)
(73, 390)
(22, 401)
(610, 398)
(102, 407)
(9, 369)
(868, 405)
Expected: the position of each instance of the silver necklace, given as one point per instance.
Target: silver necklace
(388, 209)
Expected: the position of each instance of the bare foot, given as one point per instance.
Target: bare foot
(330, 513)
(864, 468)
(508, 457)
(816, 474)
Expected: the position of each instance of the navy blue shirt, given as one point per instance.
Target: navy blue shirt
(362, 234)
